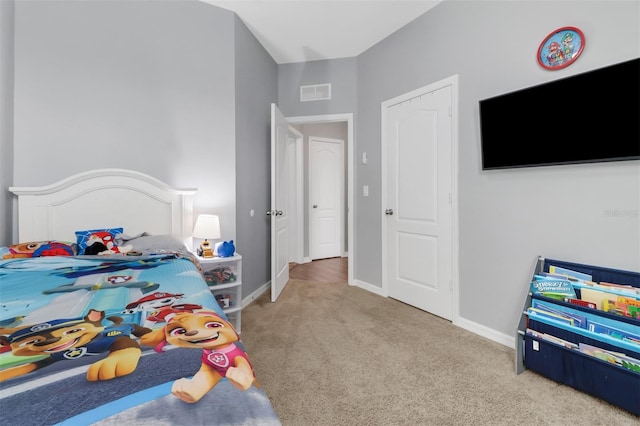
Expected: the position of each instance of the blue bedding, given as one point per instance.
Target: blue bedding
(120, 339)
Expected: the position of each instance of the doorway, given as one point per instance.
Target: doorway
(326, 195)
(347, 119)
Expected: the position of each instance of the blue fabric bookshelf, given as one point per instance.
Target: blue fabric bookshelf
(549, 347)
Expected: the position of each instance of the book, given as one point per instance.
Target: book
(545, 275)
(553, 288)
(623, 306)
(570, 273)
(596, 296)
(614, 332)
(547, 314)
(577, 320)
(621, 288)
(617, 358)
(580, 302)
(551, 338)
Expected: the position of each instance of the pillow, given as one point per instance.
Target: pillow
(145, 243)
(99, 241)
(38, 249)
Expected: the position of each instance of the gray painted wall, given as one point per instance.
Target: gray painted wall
(6, 119)
(255, 75)
(503, 222)
(147, 86)
(341, 73)
(491, 46)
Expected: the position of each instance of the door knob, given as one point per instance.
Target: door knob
(388, 212)
(315, 206)
(271, 212)
(279, 213)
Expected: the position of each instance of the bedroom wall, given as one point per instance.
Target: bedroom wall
(6, 119)
(145, 85)
(340, 73)
(117, 84)
(584, 213)
(256, 74)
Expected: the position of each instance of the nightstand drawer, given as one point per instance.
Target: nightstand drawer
(224, 278)
(228, 297)
(223, 273)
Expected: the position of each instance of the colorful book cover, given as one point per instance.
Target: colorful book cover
(578, 320)
(551, 338)
(623, 306)
(579, 302)
(596, 296)
(551, 315)
(617, 358)
(556, 289)
(570, 273)
(617, 333)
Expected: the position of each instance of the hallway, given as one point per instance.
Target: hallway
(324, 270)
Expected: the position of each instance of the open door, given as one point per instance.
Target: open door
(280, 136)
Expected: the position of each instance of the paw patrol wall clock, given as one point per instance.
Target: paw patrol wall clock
(561, 48)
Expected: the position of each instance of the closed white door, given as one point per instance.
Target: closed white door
(279, 213)
(326, 194)
(417, 227)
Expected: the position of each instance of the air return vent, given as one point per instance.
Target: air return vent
(315, 92)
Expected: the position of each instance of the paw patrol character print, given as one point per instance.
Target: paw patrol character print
(155, 306)
(70, 339)
(222, 354)
(38, 249)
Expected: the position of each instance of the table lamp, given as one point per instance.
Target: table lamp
(207, 226)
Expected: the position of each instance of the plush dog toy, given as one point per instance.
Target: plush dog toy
(221, 356)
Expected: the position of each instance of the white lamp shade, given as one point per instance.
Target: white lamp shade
(207, 226)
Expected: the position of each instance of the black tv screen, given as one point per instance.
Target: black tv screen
(584, 118)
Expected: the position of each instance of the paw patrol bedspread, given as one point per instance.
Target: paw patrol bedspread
(120, 339)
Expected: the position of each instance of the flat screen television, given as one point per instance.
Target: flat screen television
(584, 118)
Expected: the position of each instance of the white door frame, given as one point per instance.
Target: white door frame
(298, 189)
(453, 82)
(333, 118)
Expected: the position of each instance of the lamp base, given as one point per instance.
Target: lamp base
(205, 249)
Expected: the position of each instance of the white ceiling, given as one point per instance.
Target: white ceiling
(309, 30)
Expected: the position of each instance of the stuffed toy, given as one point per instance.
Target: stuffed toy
(225, 249)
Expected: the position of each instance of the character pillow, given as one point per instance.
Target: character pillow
(37, 249)
(100, 241)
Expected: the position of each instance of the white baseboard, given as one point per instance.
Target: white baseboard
(369, 287)
(246, 301)
(487, 332)
(471, 326)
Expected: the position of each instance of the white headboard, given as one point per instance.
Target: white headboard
(103, 198)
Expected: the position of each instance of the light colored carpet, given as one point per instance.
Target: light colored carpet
(333, 354)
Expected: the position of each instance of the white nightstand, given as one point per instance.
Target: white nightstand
(224, 277)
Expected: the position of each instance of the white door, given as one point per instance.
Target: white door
(280, 171)
(326, 193)
(418, 251)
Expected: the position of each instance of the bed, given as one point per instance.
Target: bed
(106, 317)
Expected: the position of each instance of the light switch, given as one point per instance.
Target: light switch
(365, 191)
(364, 158)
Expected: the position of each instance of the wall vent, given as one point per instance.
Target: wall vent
(315, 92)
